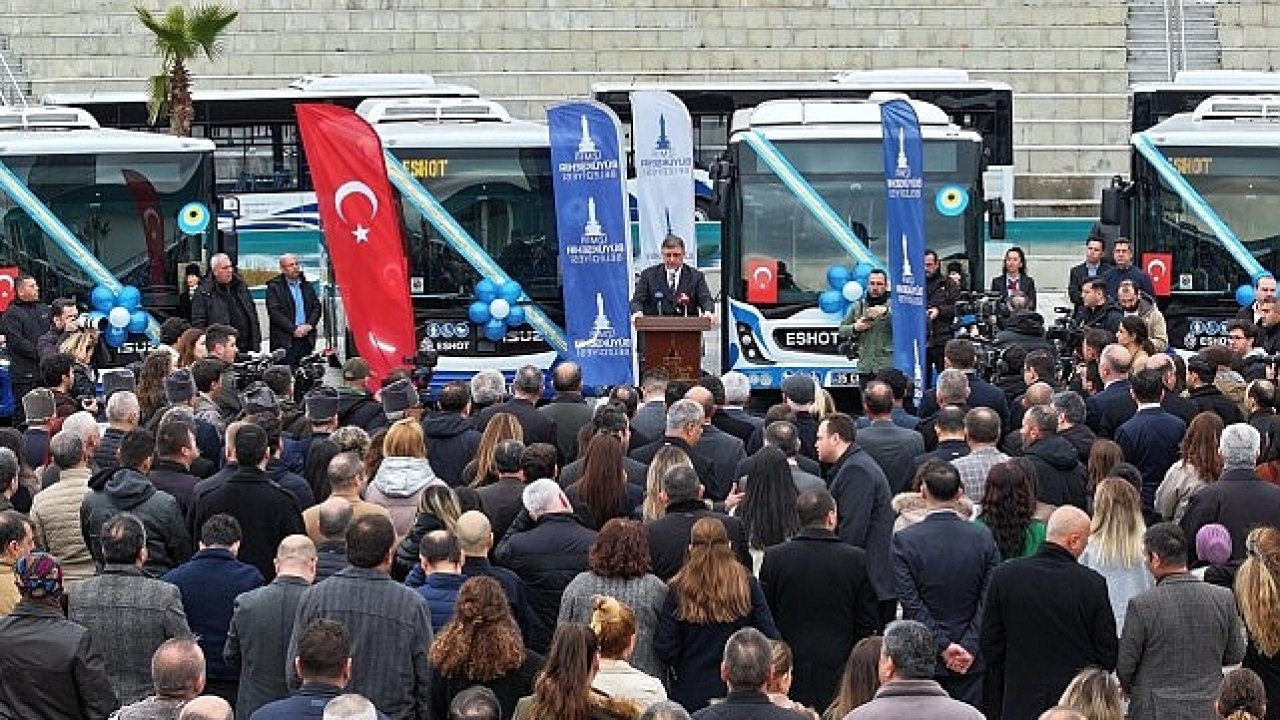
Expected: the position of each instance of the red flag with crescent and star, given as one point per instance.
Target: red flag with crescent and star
(361, 232)
(148, 204)
(1159, 267)
(8, 273)
(762, 281)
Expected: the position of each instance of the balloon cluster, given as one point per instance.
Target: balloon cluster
(122, 310)
(847, 287)
(495, 308)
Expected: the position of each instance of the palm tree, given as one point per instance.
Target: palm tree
(181, 36)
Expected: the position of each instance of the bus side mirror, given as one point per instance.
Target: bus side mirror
(1115, 202)
(995, 219)
(720, 172)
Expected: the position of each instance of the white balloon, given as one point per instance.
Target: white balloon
(852, 291)
(118, 317)
(499, 308)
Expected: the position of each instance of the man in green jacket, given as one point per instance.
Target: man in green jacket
(870, 323)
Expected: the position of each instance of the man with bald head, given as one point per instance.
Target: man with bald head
(475, 538)
(293, 310)
(177, 672)
(568, 409)
(1046, 617)
(333, 516)
(223, 298)
(207, 707)
(1114, 405)
(257, 642)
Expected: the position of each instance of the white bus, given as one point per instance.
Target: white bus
(131, 200)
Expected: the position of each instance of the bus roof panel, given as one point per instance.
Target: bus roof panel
(513, 134)
(904, 83)
(74, 142)
(831, 112)
(315, 91)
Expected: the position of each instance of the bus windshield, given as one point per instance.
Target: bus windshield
(849, 174)
(502, 197)
(108, 200)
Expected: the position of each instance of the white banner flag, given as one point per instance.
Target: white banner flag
(663, 140)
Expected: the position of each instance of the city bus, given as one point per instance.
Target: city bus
(837, 147)
(982, 106)
(140, 203)
(1204, 199)
(1153, 103)
(492, 174)
(264, 186)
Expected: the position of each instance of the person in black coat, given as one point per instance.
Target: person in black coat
(684, 423)
(961, 355)
(941, 293)
(1014, 279)
(267, 512)
(23, 323)
(1109, 409)
(223, 298)
(547, 548)
(452, 440)
(1094, 267)
(1095, 310)
(1206, 396)
(502, 501)
(821, 598)
(747, 679)
(672, 287)
(293, 328)
(1240, 499)
(526, 389)
(568, 409)
(1150, 438)
(1061, 479)
(1046, 618)
(669, 535)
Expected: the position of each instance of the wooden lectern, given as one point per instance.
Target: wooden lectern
(673, 343)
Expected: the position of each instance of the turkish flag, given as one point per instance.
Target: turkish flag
(362, 233)
(762, 281)
(1159, 267)
(148, 204)
(8, 273)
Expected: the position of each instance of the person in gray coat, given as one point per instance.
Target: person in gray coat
(128, 614)
(907, 658)
(892, 445)
(257, 640)
(568, 409)
(1177, 636)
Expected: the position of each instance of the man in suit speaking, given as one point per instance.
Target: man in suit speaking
(672, 288)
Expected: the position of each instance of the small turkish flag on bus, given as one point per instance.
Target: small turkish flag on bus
(1159, 267)
(762, 281)
(8, 273)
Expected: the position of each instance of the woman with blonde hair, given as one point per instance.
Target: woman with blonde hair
(666, 458)
(438, 509)
(614, 624)
(1242, 696)
(1258, 595)
(859, 681)
(1094, 693)
(403, 474)
(619, 567)
(1199, 465)
(481, 645)
(711, 597)
(563, 690)
(1115, 544)
(779, 685)
(482, 470)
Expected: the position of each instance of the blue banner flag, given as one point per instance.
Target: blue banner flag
(663, 136)
(588, 174)
(904, 210)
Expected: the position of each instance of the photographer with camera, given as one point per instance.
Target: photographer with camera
(67, 321)
(1024, 327)
(868, 327)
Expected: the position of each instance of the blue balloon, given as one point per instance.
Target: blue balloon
(861, 271)
(115, 336)
(495, 330)
(138, 321)
(1245, 295)
(510, 291)
(102, 299)
(831, 301)
(486, 290)
(478, 312)
(837, 276)
(129, 298)
(516, 317)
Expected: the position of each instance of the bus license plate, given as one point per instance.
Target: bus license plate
(840, 378)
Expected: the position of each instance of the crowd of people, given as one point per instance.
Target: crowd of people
(1050, 549)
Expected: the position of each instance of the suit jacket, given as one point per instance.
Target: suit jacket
(981, 394)
(308, 702)
(1150, 441)
(1177, 637)
(1077, 277)
(669, 536)
(569, 412)
(258, 641)
(822, 600)
(653, 296)
(210, 582)
(702, 465)
(1026, 286)
(537, 427)
(281, 310)
(211, 305)
(893, 447)
(1046, 618)
(1110, 408)
(942, 566)
(267, 513)
(501, 502)
(737, 423)
(1240, 500)
(865, 511)
(725, 452)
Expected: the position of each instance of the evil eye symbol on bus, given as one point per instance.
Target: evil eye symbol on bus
(193, 218)
(951, 200)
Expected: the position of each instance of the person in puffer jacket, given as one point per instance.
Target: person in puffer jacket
(451, 438)
(127, 488)
(403, 475)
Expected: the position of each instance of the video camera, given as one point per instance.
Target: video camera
(424, 365)
(311, 369)
(248, 367)
(979, 313)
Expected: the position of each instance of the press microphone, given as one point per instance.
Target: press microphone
(682, 302)
(657, 299)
